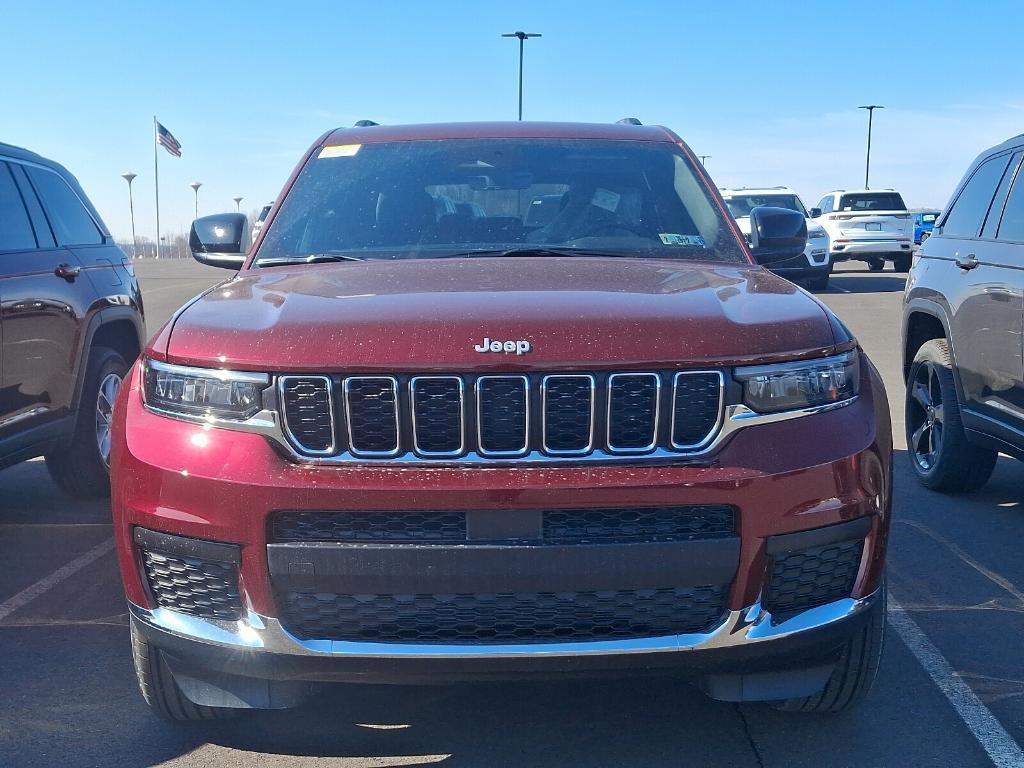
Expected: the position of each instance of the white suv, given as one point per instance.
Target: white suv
(813, 267)
(870, 225)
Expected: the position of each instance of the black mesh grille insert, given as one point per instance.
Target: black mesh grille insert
(368, 526)
(437, 414)
(638, 524)
(632, 410)
(697, 405)
(205, 588)
(808, 577)
(568, 418)
(503, 618)
(371, 405)
(502, 414)
(307, 411)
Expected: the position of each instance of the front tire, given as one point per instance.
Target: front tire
(855, 671)
(902, 262)
(160, 691)
(81, 468)
(940, 454)
(876, 265)
(818, 282)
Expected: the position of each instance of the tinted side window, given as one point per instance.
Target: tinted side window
(968, 212)
(1012, 226)
(44, 235)
(826, 204)
(996, 209)
(71, 221)
(16, 232)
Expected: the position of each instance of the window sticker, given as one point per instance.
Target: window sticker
(605, 198)
(339, 150)
(669, 238)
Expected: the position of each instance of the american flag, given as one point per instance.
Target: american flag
(167, 141)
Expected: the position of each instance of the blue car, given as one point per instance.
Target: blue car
(924, 222)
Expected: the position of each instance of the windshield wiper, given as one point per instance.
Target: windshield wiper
(313, 258)
(546, 250)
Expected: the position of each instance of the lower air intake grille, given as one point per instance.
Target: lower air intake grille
(503, 618)
(193, 585)
(368, 526)
(805, 578)
(638, 524)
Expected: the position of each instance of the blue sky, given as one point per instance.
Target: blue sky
(768, 90)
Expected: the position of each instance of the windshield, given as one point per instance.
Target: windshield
(741, 205)
(431, 199)
(872, 201)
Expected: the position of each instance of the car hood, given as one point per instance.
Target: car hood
(423, 315)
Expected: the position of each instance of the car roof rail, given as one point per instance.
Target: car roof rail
(629, 121)
(364, 124)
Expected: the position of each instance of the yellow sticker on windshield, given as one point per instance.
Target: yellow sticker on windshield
(340, 150)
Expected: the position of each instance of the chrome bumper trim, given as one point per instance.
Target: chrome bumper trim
(256, 633)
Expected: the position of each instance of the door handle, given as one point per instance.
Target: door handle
(970, 261)
(68, 271)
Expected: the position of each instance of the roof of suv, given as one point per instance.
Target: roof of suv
(726, 191)
(500, 130)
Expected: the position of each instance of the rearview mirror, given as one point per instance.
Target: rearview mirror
(217, 240)
(776, 234)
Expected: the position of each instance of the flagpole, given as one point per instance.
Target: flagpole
(156, 179)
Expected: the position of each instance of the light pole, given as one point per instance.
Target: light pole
(195, 188)
(238, 203)
(703, 158)
(523, 37)
(130, 177)
(867, 163)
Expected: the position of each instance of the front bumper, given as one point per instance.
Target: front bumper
(217, 486)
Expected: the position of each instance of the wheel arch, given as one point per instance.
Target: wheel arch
(118, 328)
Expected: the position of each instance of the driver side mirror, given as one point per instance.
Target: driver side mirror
(776, 234)
(217, 240)
(815, 212)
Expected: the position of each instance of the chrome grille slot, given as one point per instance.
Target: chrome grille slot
(371, 407)
(437, 415)
(633, 405)
(503, 417)
(567, 410)
(696, 407)
(308, 413)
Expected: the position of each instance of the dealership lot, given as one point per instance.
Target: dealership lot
(70, 697)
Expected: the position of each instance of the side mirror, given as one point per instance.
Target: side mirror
(815, 212)
(776, 234)
(217, 240)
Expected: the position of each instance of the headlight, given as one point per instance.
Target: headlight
(813, 233)
(805, 384)
(203, 392)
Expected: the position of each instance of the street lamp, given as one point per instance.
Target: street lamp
(703, 158)
(195, 188)
(523, 37)
(130, 177)
(867, 163)
(238, 203)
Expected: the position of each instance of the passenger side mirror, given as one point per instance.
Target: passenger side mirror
(217, 240)
(815, 212)
(776, 234)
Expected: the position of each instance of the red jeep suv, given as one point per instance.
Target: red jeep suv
(424, 435)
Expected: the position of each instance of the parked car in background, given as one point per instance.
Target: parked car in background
(962, 349)
(258, 224)
(813, 267)
(870, 225)
(402, 445)
(70, 324)
(924, 222)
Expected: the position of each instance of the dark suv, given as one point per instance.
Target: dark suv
(70, 323)
(963, 317)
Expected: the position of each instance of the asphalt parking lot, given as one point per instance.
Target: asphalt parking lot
(952, 669)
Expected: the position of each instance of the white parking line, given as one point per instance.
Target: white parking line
(29, 594)
(997, 743)
(835, 287)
